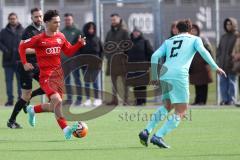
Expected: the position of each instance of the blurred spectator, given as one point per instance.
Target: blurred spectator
(26, 77)
(236, 59)
(71, 33)
(93, 47)
(174, 30)
(140, 52)
(225, 61)
(236, 55)
(200, 71)
(117, 33)
(10, 38)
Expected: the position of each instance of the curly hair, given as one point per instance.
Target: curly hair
(184, 25)
(49, 15)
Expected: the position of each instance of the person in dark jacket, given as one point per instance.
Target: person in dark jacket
(140, 52)
(236, 61)
(200, 71)
(116, 34)
(225, 61)
(71, 32)
(26, 77)
(93, 47)
(10, 38)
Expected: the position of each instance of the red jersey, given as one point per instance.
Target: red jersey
(48, 50)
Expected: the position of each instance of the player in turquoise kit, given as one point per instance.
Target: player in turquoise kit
(173, 79)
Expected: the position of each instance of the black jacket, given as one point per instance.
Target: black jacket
(93, 47)
(141, 50)
(93, 43)
(115, 34)
(226, 45)
(9, 42)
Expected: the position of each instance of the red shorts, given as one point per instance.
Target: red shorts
(52, 85)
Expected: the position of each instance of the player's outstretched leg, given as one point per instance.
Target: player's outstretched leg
(13, 125)
(32, 110)
(21, 103)
(35, 93)
(16, 110)
(143, 136)
(56, 104)
(68, 131)
(171, 123)
(31, 115)
(159, 115)
(25, 107)
(159, 142)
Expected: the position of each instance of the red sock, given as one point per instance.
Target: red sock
(62, 122)
(38, 109)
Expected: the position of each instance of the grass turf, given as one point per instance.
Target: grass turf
(207, 133)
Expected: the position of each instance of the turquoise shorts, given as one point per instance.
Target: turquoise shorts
(175, 90)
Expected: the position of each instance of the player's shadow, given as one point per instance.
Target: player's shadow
(77, 149)
(31, 141)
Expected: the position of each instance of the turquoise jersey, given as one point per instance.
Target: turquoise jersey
(179, 52)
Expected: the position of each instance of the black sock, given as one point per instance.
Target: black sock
(37, 92)
(17, 108)
(25, 107)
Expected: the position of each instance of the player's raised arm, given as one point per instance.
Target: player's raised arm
(69, 49)
(24, 44)
(207, 56)
(154, 63)
(204, 53)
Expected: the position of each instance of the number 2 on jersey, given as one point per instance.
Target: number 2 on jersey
(178, 44)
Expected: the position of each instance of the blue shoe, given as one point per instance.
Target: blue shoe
(143, 136)
(31, 116)
(159, 142)
(70, 130)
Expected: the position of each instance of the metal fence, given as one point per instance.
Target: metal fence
(154, 17)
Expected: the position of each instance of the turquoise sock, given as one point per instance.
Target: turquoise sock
(172, 123)
(159, 115)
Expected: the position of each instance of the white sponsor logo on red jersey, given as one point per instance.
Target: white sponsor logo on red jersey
(53, 50)
(59, 41)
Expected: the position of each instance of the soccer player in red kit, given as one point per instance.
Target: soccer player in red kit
(48, 46)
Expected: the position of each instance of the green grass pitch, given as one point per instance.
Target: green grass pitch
(207, 134)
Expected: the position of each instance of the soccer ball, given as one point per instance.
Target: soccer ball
(81, 130)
